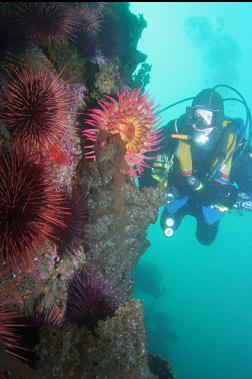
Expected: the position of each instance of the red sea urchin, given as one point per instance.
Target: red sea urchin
(35, 106)
(70, 238)
(89, 20)
(47, 22)
(90, 299)
(30, 207)
(9, 337)
(3, 375)
(99, 7)
(133, 117)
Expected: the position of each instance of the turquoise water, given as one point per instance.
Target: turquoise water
(202, 319)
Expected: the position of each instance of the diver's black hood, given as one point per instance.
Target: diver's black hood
(210, 99)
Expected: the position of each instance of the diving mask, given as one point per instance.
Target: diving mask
(204, 125)
(202, 118)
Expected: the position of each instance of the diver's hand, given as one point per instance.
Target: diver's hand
(243, 202)
(161, 168)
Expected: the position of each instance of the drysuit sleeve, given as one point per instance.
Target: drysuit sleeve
(241, 172)
(217, 194)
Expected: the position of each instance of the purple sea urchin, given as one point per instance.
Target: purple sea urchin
(90, 299)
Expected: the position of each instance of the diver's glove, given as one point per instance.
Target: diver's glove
(216, 194)
(243, 202)
(161, 168)
(194, 183)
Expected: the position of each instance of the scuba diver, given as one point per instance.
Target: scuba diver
(205, 165)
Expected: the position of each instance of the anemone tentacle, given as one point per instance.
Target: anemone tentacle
(134, 117)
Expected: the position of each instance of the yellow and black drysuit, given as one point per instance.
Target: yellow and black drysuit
(199, 182)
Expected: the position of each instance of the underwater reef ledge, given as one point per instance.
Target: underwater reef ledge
(72, 352)
(73, 228)
(121, 214)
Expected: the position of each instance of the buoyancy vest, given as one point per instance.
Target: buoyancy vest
(222, 157)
